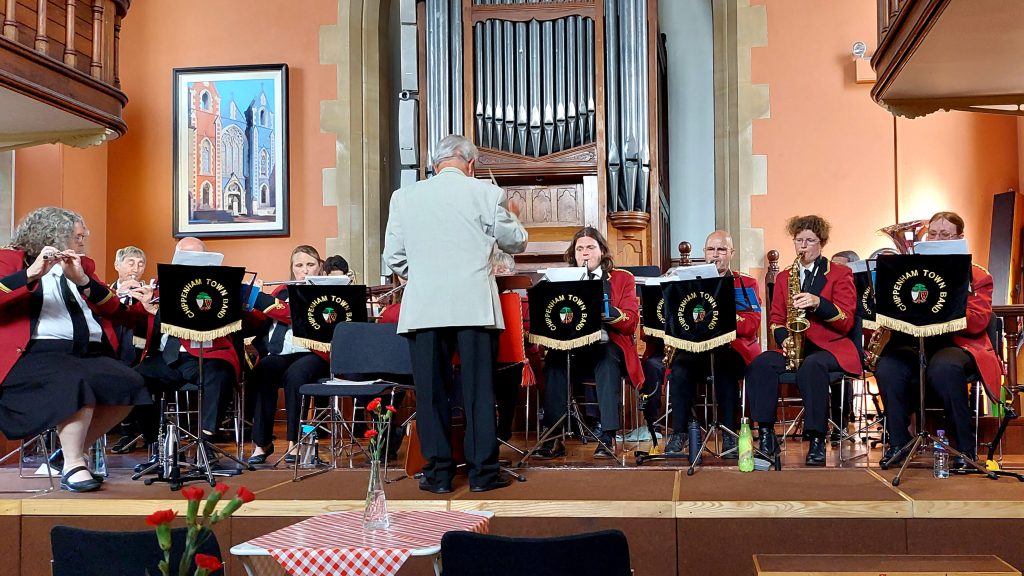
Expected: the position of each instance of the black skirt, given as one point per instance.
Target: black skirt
(48, 384)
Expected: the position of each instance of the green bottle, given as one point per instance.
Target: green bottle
(746, 446)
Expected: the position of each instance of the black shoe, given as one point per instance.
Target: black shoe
(816, 452)
(442, 488)
(127, 444)
(729, 448)
(834, 437)
(676, 443)
(767, 443)
(154, 458)
(290, 458)
(891, 457)
(605, 446)
(551, 449)
(960, 462)
(257, 459)
(500, 481)
(228, 468)
(83, 486)
(56, 460)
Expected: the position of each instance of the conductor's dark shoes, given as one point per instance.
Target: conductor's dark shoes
(606, 446)
(767, 442)
(440, 488)
(960, 462)
(550, 449)
(500, 481)
(892, 457)
(816, 452)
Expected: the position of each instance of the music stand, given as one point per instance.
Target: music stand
(206, 306)
(926, 295)
(565, 316)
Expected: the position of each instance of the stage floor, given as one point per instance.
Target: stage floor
(708, 523)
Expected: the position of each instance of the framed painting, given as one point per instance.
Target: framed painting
(231, 151)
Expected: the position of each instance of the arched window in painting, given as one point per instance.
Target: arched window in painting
(205, 155)
(264, 163)
(204, 101)
(265, 194)
(205, 198)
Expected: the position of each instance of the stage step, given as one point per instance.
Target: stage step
(873, 565)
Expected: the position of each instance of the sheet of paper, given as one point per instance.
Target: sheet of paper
(564, 274)
(941, 247)
(694, 272)
(197, 258)
(328, 280)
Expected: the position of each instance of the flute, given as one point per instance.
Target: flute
(58, 256)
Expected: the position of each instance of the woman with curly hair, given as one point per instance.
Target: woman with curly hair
(57, 343)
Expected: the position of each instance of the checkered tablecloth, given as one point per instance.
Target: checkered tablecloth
(337, 544)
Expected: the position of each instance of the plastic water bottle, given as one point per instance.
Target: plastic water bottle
(694, 440)
(745, 446)
(941, 465)
(99, 462)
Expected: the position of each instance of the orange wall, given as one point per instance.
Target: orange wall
(160, 36)
(830, 147)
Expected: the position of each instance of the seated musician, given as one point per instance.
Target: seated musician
(169, 363)
(824, 293)
(130, 264)
(846, 402)
(283, 364)
(689, 368)
(607, 360)
(952, 358)
(337, 266)
(58, 364)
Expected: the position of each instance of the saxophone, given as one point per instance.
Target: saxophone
(904, 244)
(796, 322)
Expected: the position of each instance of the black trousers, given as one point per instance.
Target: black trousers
(654, 374)
(218, 383)
(898, 380)
(812, 379)
(604, 361)
(507, 383)
(290, 371)
(689, 369)
(432, 351)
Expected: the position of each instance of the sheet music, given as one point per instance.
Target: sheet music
(197, 258)
(858, 266)
(564, 274)
(695, 272)
(941, 247)
(343, 382)
(328, 280)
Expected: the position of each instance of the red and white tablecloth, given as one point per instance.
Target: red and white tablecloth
(336, 543)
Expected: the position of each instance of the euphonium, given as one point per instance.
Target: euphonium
(904, 243)
(796, 322)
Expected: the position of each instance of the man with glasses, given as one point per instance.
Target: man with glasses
(726, 363)
(951, 358)
(829, 299)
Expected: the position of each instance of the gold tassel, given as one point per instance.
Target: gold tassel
(869, 325)
(704, 346)
(200, 335)
(921, 331)
(565, 344)
(654, 332)
(311, 344)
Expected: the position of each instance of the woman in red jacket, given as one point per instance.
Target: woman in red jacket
(607, 360)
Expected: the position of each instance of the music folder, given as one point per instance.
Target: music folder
(923, 295)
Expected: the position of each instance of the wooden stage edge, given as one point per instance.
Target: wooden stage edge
(675, 524)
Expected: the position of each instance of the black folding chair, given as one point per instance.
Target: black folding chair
(81, 552)
(604, 553)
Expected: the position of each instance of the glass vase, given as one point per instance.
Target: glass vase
(375, 515)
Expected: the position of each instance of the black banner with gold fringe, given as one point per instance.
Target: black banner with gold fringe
(865, 299)
(200, 303)
(317, 309)
(653, 310)
(566, 315)
(923, 294)
(700, 314)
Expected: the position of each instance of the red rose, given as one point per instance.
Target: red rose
(390, 409)
(373, 405)
(371, 433)
(192, 493)
(245, 495)
(221, 487)
(161, 517)
(208, 562)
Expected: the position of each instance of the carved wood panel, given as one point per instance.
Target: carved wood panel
(557, 205)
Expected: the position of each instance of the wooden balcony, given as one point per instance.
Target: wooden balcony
(59, 78)
(949, 55)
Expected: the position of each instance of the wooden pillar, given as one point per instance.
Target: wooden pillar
(96, 66)
(70, 56)
(10, 22)
(42, 41)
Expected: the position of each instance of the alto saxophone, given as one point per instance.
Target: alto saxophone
(903, 235)
(796, 322)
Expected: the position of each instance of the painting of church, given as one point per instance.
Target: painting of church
(231, 140)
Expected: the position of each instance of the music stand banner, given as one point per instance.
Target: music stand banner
(699, 314)
(566, 315)
(865, 299)
(200, 303)
(653, 316)
(317, 309)
(923, 295)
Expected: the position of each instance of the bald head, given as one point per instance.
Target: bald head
(190, 244)
(718, 250)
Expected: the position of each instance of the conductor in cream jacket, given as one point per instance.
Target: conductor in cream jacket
(440, 235)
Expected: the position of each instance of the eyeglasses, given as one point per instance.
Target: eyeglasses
(806, 241)
(933, 235)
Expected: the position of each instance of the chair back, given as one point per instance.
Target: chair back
(642, 271)
(604, 553)
(366, 348)
(81, 552)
